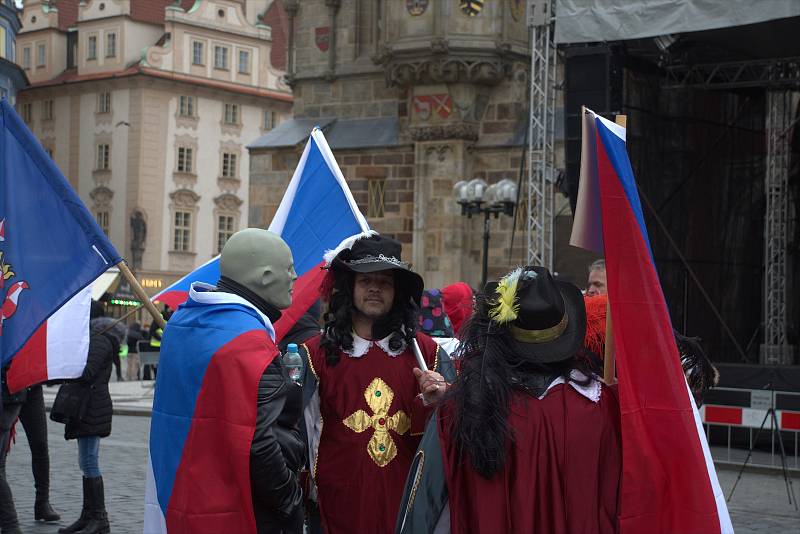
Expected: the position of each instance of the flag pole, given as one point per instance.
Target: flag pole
(149, 306)
(609, 363)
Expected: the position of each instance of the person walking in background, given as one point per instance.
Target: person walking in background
(8, 416)
(95, 423)
(34, 421)
(134, 336)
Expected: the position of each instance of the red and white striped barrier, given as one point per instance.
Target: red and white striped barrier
(748, 417)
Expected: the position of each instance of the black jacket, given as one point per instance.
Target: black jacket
(277, 453)
(97, 417)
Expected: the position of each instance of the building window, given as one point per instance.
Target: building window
(186, 107)
(102, 157)
(101, 216)
(270, 119)
(229, 165)
(47, 110)
(91, 47)
(104, 102)
(377, 189)
(3, 51)
(244, 62)
(221, 57)
(185, 163)
(198, 53)
(225, 229)
(231, 114)
(26, 57)
(182, 233)
(27, 112)
(41, 55)
(111, 45)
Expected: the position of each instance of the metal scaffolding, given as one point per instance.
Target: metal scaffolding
(776, 227)
(541, 133)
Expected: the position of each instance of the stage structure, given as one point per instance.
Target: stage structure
(715, 100)
(541, 171)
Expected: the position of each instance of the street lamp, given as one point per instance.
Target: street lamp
(476, 197)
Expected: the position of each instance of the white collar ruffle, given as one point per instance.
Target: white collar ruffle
(361, 346)
(591, 391)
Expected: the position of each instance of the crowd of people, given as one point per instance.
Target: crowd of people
(438, 410)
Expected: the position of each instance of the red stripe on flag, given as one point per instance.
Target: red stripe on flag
(790, 421)
(208, 496)
(173, 299)
(29, 366)
(304, 294)
(665, 483)
(723, 416)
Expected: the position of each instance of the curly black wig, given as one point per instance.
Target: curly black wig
(337, 334)
(492, 369)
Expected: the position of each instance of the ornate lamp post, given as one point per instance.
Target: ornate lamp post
(475, 197)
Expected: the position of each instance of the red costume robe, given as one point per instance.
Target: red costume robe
(561, 475)
(371, 421)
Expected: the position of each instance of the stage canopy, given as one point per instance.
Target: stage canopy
(584, 21)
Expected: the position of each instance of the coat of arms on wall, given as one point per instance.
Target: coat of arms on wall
(416, 7)
(517, 9)
(322, 36)
(471, 8)
(427, 105)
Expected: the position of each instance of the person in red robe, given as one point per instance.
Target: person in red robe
(527, 439)
(367, 400)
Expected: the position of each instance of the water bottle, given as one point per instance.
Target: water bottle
(293, 363)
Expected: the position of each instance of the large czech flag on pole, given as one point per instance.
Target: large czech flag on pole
(51, 248)
(668, 481)
(317, 213)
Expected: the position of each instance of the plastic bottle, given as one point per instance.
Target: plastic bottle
(293, 363)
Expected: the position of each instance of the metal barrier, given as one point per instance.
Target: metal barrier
(740, 410)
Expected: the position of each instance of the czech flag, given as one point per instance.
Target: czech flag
(669, 483)
(316, 214)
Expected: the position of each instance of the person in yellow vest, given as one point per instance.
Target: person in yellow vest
(155, 343)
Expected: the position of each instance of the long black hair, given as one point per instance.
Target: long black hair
(337, 334)
(492, 368)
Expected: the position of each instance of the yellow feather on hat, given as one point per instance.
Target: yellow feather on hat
(506, 307)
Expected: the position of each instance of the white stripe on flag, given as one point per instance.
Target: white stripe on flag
(68, 337)
(725, 526)
(279, 220)
(154, 522)
(587, 229)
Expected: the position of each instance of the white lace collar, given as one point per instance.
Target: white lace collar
(361, 346)
(591, 391)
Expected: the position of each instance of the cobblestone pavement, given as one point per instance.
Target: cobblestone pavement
(760, 503)
(123, 457)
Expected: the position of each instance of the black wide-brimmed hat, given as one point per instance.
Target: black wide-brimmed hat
(373, 253)
(545, 318)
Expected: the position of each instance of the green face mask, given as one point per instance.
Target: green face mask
(262, 262)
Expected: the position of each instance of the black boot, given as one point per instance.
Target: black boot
(83, 520)
(98, 518)
(8, 514)
(42, 511)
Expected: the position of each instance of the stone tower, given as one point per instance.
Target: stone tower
(413, 96)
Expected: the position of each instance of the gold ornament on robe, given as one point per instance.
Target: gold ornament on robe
(381, 447)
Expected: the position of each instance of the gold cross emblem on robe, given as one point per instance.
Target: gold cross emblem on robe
(381, 447)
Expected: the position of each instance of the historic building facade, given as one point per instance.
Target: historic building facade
(147, 108)
(12, 79)
(413, 96)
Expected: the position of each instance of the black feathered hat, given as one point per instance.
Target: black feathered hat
(545, 318)
(371, 252)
